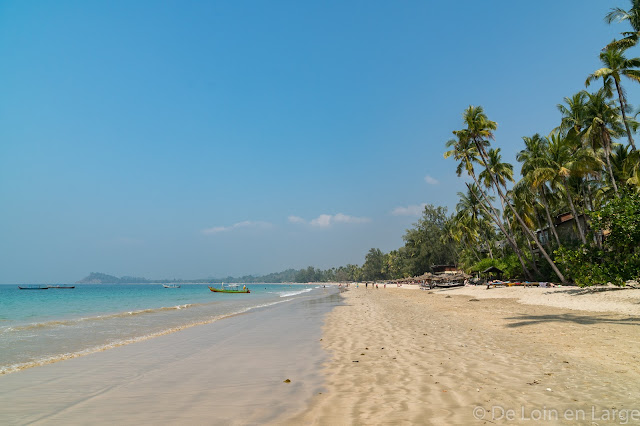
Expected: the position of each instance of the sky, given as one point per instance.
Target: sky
(191, 139)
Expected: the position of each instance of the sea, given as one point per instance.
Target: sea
(39, 327)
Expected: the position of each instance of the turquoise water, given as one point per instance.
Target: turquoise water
(43, 326)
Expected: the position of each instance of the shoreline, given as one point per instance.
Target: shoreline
(231, 371)
(425, 357)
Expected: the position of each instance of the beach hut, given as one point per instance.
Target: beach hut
(493, 272)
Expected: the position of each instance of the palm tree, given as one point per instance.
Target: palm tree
(473, 223)
(625, 165)
(480, 130)
(532, 157)
(565, 158)
(574, 113)
(630, 38)
(503, 172)
(602, 128)
(465, 151)
(616, 66)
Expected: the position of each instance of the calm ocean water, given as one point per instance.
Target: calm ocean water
(38, 327)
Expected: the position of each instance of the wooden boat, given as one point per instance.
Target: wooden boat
(171, 285)
(33, 287)
(61, 286)
(234, 288)
(449, 284)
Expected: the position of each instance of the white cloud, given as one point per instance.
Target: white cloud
(430, 180)
(322, 221)
(245, 224)
(296, 219)
(343, 218)
(414, 210)
(326, 220)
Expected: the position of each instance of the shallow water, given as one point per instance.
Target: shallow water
(259, 367)
(40, 327)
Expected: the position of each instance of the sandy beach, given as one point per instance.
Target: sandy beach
(396, 356)
(469, 355)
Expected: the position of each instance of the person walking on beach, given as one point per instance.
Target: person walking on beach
(366, 285)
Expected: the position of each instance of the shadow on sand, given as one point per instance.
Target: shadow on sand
(581, 319)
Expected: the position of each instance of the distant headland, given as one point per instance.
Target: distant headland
(290, 275)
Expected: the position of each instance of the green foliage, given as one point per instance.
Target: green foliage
(428, 242)
(619, 258)
(373, 268)
(508, 264)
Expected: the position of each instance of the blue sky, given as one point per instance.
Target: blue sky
(192, 139)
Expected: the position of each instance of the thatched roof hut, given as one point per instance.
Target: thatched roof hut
(493, 271)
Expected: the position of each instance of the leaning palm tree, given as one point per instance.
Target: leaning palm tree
(464, 150)
(470, 211)
(533, 157)
(617, 65)
(632, 16)
(503, 172)
(480, 129)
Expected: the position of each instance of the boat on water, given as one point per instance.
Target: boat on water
(233, 288)
(171, 285)
(33, 287)
(61, 286)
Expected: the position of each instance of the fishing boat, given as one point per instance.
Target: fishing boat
(171, 285)
(61, 286)
(233, 288)
(33, 287)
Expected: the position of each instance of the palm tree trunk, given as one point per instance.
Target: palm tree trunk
(565, 183)
(532, 263)
(624, 116)
(545, 203)
(606, 143)
(517, 215)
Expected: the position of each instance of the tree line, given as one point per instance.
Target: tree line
(573, 214)
(587, 169)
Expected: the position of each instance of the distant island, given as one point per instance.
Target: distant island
(290, 275)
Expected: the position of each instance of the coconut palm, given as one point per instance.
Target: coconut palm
(532, 157)
(470, 211)
(480, 129)
(625, 166)
(574, 113)
(566, 158)
(465, 151)
(503, 172)
(602, 128)
(616, 66)
(632, 16)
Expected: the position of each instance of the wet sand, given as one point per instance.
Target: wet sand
(228, 372)
(416, 357)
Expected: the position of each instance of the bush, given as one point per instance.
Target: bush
(619, 258)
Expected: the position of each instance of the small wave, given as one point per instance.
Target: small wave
(295, 293)
(61, 357)
(71, 322)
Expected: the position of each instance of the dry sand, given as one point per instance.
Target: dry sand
(420, 357)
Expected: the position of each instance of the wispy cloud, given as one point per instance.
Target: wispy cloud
(327, 220)
(296, 219)
(245, 224)
(413, 210)
(430, 180)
